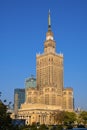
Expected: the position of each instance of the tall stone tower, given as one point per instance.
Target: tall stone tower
(49, 95)
(50, 64)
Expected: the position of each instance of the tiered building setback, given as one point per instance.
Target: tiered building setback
(49, 95)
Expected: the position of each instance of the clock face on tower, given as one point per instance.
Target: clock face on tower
(49, 38)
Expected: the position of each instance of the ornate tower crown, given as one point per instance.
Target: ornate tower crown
(49, 34)
(49, 45)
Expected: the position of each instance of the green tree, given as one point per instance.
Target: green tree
(59, 117)
(64, 117)
(69, 117)
(5, 120)
(83, 117)
(43, 127)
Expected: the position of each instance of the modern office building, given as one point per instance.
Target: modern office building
(49, 95)
(19, 98)
(30, 82)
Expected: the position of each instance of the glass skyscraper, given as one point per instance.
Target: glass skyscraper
(30, 82)
(19, 98)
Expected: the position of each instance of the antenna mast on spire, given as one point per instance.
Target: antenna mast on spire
(49, 21)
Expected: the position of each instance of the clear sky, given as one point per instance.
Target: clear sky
(23, 27)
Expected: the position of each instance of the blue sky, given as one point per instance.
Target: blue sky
(23, 27)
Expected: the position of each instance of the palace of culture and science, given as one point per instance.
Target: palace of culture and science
(49, 94)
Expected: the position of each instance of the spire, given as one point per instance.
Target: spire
(49, 44)
(49, 21)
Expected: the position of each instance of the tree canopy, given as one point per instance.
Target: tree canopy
(83, 117)
(64, 117)
(5, 120)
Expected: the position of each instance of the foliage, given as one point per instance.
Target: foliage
(59, 117)
(5, 120)
(69, 117)
(83, 117)
(43, 127)
(26, 127)
(33, 127)
(3, 108)
(64, 117)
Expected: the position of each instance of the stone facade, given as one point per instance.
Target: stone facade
(49, 95)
